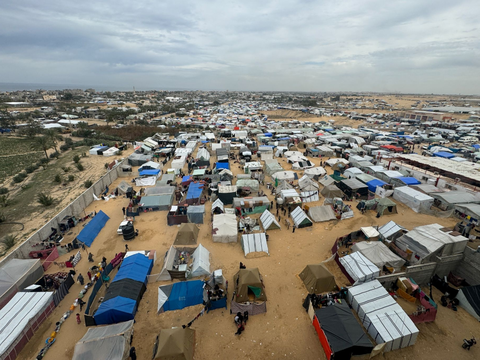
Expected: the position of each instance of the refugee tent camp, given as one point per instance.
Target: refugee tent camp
(353, 188)
(175, 344)
(359, 268)
(268, 221)
(224, 228)
(93, 228)
(469, 298)
(195, 214)
(300, 219)
(180, 295)
(187, 235)
(384, 319)
(315, 172)
(105, 342)
(414, 199)
(331, 191)
(340, 333)
(227, 193)
(318, 279)
(379, 254)
(248, 286)
(255, 244)
(321, 213)
(217, 207)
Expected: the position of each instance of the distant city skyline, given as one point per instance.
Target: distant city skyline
(297, 45)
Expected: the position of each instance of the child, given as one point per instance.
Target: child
(78, 319)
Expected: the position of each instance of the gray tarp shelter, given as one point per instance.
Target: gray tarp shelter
(272, 166)
(105, 342)
(195, 214)
(268, 221)
(379, 254)
(137, 159)
(123, 187)
(250, 183)
(331, 191)
(300, 219)
(156, 202)
(452, 198)
(160, 190)
(322, 213)
(165, 179)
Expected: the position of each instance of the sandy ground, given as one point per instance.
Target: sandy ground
(285, 330)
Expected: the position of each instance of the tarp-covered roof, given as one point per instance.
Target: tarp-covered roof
(321, 213)
(359, 267)
(379, 254)
(93, 228)
(180, 295)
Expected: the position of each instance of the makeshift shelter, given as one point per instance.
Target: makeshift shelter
(150, 165)
(414, 199)
(248, 286)
(203, 154)
(155, 203)
(359, 268)
(195, 214)
(326, 180)
(224, 228)
(175, 344)
(318, 279)
(352, 172)
(93, 228)
(160, 190)
(353, 188)
(404, 181)
(16, 275)
(372, 184)
(300, 219)
(322, 213)
(384, 319)
(285, 175)
(425, 243)
(268, 221)
(469, 298)
(448, 200)
(217, 207)
(194, 193)
(386, 206)
(187, 235)
(307, 184)
(180, 295)
(227, 193)
(379, 254)
(272, 166)
(166, 179)
(391, 231)
(124, 187)
(255, 245)
(20, 318)
(179, 163)
(107, 342)
(249, 183)
(340, 333)
(137, 159)
(315, 172)
(331, 191)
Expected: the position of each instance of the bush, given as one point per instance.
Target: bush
(5, 201)
(55, 154)
(9, 241)
(30, 169)
(69, 141)
(88, 184)
(84, 154)
(3, 191)
(19, 177)
(64, 147)
(58, 178)
(3, 217)
(66, 169)
(76, 159)
(79, 166)
(71, 178)
(44, 161)
(45, 199)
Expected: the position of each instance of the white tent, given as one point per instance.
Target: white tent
(268, 221)
(179, 163)
(359, 268)
(201, 262)
(414, 199)
(322, 213)
(150, 165)
(168, 262)
(379, 254)
(218, 204)
(383, 318)
(146, 181)
(315, 172)
(255, 243)
(105, 342)
(300, 219)
(333, 161)
(352, 172)
(284, 175)
(224, 228)
(203, 154)
(307, 184)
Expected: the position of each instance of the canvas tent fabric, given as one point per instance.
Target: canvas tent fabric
(160, 190)
(390, 229)
(379, 254)
(106, 342)
(300, 219)
(248, 280)
(307, 184)
(254, 243)
(331, 191)
(428, 241)
(315, 172)
(201, 262)
(93, 228)
(359, 268)
(123, 187)
(176, 344)
(268, 221)
(16, 275)
(382, 317)
(469, 298)
(20, 318)
(285, 175)
(180, 295)
(318, 279)
(272, 166)
(195, 214)
(414, 199)
(386, 206)
(224, 228)
(203, 154)
(187, 234)
(340, 333)
(321, 213)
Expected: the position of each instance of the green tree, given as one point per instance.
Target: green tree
(31, 129)
(68, 97)
(54, 137)
(44, 143)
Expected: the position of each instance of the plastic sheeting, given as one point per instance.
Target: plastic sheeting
(322, 213)
(379, 254)
(180, 295)
(413, 198)
(300, 219)
(93, 228)
(359, 268)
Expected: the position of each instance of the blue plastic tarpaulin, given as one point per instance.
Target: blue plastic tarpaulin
(444, 154)
(267, 134)
(476, 146)
(372, 184)
(93, 228)
(136, 267)
(194, 191)
(223, 165)
(409, 180)
(184, 294)
(115, 310)
(149, 172)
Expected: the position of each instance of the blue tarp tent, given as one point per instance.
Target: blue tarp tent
(409, 180)
(372, 184)
(180, 295)
(267, 134)
(116, 310)
(136, 267)
(91, 230)
(222, 165)
(194, 192)
(444, 154)
(149, 172)
(476, 146)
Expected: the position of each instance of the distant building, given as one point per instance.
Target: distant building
(426, 115)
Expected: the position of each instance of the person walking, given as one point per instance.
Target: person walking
(293, 228)
(133, 353)
(123, 210)
(89, 276)
(78, 319)
(80, 279)
(81, 303)
(126, 247)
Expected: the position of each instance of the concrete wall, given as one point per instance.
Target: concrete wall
(421, 274)
(447, 264)
(75, 208)
(469, 267)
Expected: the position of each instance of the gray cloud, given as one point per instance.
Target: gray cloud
(301, 45)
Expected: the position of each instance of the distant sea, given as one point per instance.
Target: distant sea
(32, 86)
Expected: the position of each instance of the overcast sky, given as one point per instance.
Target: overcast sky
(303, 45)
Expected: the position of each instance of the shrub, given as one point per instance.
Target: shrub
(9, 241)
(4, 200)
(88, 184)
(69, 141)
(66, 169)
(45, 199)
(30, 169)
(84, 154)
(76, 159)
(55, 154)
(64, 147)
(44, 161)
(19, 178)
(79, 166)
(71, 178)
(3, 217)
(58, 178)
(3, 191)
